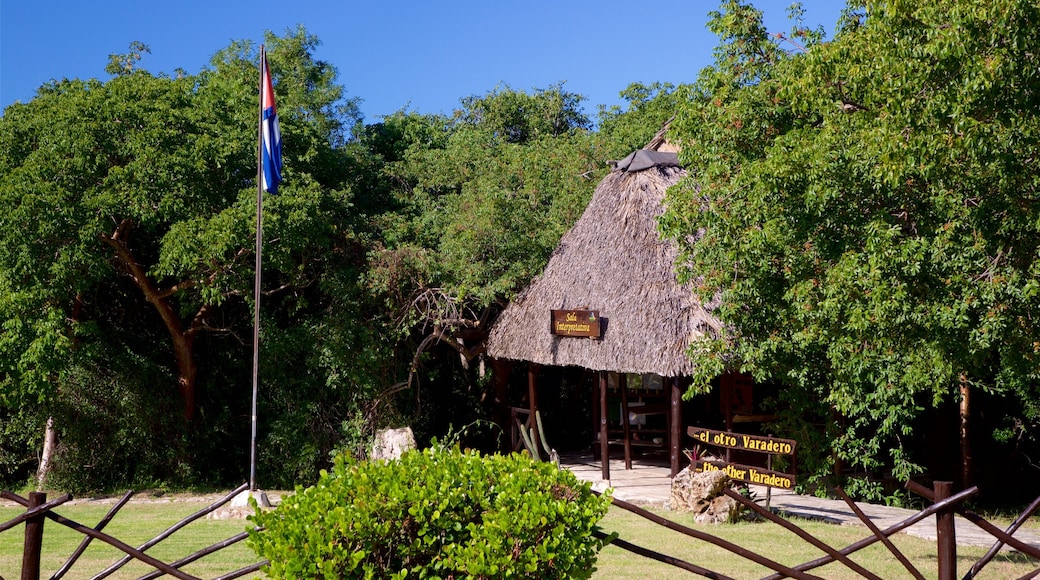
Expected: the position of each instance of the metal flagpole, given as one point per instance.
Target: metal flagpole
(256, 283)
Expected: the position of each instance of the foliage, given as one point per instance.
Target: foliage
(516, 117)
(127, 234)
(20, 429)
(437, 513)
(464, 212)
(869, 210)
(110, 429)
(327, 399)
(650, 107)
(126, 242)
(483, 196)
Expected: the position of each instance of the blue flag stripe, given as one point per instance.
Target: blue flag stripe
(271, 140)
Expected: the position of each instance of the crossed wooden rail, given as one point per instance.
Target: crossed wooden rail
(38, 509)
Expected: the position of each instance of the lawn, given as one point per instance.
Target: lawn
(136, 523)
(774, 542)
(139, 521)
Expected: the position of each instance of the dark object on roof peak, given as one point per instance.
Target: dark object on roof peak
(645, 159)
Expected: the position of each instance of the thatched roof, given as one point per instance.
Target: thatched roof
(612, 260)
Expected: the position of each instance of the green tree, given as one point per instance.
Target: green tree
(480, 199)
(149, 178)
(494, 192)
(649, 107)
(127, 242)
(465, 210)
(869, 210)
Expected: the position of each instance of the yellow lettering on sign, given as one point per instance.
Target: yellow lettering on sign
(765, 445)
(724, 439)
(738, 441)
(572, 327)
(770, 479)
(735, 473)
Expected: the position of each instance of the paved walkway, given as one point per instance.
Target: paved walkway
(648, 483)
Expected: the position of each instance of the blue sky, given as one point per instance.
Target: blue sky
(393, 54)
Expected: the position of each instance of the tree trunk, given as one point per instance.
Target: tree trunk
(183, 341)
(50, 439)
(965, 433)
(187, 370)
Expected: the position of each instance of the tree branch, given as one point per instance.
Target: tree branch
(182, 341)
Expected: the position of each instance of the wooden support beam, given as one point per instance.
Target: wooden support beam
(500, 371)
(675, 424)
(625, 421)
(604, 443)
(532, 398)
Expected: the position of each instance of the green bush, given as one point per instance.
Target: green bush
(436, 513)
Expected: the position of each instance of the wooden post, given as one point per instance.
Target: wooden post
(532, 397)
(946, 538)
(33, 539)
(594, 402)
(623, 386)
(675, 436)
(500, 369)
(604, 444)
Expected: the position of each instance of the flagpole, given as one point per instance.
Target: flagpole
(256, 283)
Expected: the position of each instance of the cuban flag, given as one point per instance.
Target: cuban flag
(270, 136)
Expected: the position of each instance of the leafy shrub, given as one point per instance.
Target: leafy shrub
(435, 513)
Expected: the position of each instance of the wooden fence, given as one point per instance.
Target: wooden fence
(944, 506)
(38, 510)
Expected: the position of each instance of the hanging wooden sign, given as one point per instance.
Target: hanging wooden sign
(772, 445)
(739, 442)
(584, 323)
(748, 473)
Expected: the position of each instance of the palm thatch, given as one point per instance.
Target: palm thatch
(612, 260)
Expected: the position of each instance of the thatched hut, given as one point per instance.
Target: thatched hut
(614, 262)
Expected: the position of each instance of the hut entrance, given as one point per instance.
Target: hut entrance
(582, 409)
(650, 411)
(614, 264)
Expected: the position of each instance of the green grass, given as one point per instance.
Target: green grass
(778, 544)
(135, 524)
(138, 522)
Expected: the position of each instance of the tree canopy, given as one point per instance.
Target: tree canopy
(150, 180)
(862, 209)
(868, 211)
(127, 234)
(126, 256)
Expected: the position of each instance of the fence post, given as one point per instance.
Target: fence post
(33, 539)
(946, 538)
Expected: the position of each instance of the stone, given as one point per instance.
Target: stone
(242, 499)
(238, 508)
(391, 443)
(702, 494)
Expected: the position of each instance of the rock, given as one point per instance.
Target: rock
(702, 494)
(721, 510)
(242, 499)
(391, 443)
(238, 508)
